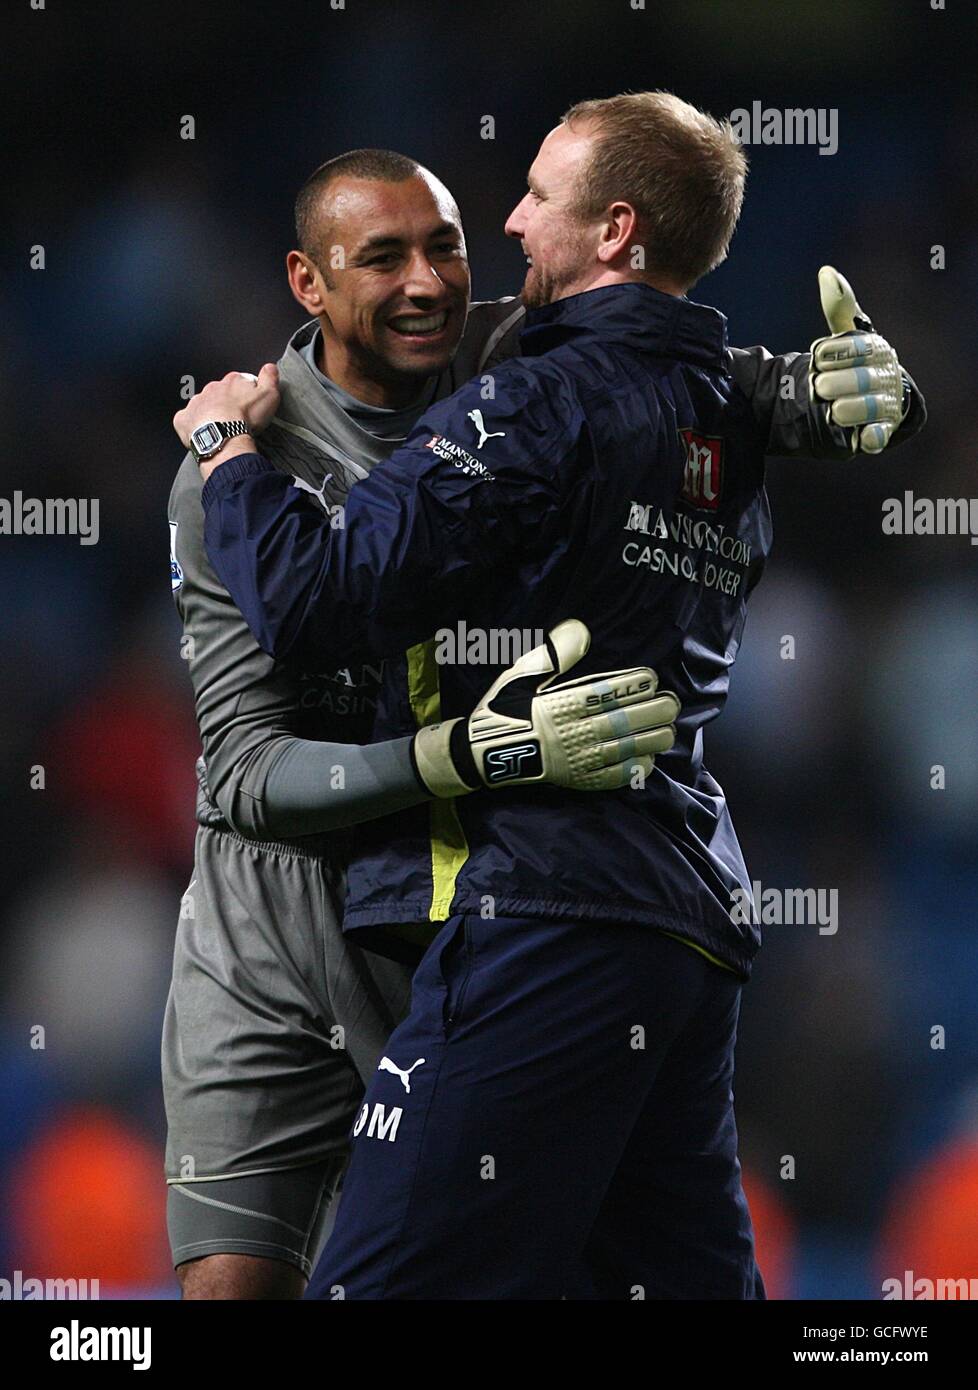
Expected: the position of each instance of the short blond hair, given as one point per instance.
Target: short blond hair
(682, 171)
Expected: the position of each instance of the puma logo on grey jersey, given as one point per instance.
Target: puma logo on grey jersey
(303, 486)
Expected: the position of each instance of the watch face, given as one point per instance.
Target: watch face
(206, 438)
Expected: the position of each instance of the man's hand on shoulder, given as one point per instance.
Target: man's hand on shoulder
(244, 403)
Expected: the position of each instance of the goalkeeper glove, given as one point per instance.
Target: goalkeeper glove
(856, 370)
(589, 734)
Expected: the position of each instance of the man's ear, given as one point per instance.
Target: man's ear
(618, 231)
(306, 283)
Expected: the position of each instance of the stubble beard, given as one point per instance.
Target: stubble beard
(545, 286)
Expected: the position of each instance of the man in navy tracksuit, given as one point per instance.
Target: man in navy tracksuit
(555, 1115)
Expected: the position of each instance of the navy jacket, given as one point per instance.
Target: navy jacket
(617, 477)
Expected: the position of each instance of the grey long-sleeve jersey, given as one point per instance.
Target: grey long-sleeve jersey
(282, 753)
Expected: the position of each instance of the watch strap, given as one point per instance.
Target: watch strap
(227, 429)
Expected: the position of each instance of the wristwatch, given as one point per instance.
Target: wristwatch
(206, 439)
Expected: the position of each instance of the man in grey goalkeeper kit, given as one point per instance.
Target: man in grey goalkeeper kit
(275, 1021)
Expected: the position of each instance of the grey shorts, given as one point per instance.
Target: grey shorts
(273, 1024)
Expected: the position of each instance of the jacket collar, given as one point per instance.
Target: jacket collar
(635, 314)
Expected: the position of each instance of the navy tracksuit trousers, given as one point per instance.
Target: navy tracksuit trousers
(554, 1118)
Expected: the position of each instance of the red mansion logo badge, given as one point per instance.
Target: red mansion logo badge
(703, 474)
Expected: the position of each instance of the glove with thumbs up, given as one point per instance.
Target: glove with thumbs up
(855, 370)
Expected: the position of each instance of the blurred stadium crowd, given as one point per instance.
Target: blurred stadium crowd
(164, 258)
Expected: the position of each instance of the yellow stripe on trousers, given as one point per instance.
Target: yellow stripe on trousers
(449, 847)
